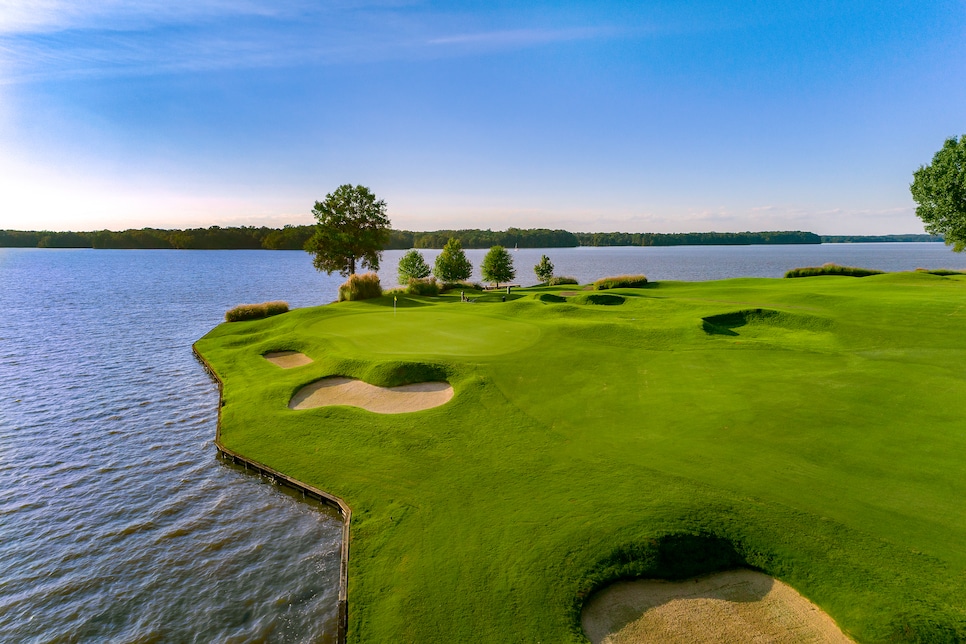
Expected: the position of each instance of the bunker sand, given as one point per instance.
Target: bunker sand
(288, 359)
(381, 400)
(733, 606)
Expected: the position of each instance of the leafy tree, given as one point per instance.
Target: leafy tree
(544, 269)
(451, 264)
(939, 190)
(497, 266)
(412, 266)
(352, 226)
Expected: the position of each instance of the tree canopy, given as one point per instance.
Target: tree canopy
(451, 264)
(497, 266)
(352, 226)
(939, 190)
(544, 270)
(412, 266)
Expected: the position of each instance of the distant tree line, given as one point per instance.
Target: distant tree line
(862, 239)
(697, 239)
(295, 238)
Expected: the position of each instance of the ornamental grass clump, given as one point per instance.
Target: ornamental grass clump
(427, 287)
(255, 311)
(360, 287)
(621, 281)
(561, 279)
(832, 269)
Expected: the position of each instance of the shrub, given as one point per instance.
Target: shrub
(621, 281)
(940, 271)
(831, 269)
(449, 286)
(255, 311)
(360, 287)
(428, 287)
(559, 280)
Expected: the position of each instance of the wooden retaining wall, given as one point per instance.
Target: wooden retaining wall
(283, 479)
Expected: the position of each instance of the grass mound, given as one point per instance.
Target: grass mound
(549, 297)
(599, 299)
(255, 311)
(813, 436)
(621, 281)
(832, 269)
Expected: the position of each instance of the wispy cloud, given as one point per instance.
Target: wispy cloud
(522, 37)
(51, 39)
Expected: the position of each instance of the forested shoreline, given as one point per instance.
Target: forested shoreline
(295, 237)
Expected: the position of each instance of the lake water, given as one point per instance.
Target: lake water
(118, 522)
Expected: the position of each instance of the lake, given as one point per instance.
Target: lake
(117, 520)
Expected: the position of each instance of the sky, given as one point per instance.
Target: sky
(649, 116)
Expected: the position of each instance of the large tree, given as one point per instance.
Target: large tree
(497, 266)
(939, 189)
(451, 265)
(352, 226)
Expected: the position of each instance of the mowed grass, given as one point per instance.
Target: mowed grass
(811, 428)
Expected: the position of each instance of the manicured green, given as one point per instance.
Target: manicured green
(811, 428)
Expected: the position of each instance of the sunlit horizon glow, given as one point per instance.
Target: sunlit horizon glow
(656, 117)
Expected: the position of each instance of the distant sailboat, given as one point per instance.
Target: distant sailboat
(516, 247)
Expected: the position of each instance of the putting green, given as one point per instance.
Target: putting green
(809, 428)
(427, 331)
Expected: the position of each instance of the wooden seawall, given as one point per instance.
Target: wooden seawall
(277, 477)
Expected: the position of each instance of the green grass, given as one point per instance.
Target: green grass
(812, 429)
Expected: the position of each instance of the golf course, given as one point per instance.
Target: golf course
(506, 460)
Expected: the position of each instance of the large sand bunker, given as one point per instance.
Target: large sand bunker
(733, 606)
(288, 359)
(381, 400)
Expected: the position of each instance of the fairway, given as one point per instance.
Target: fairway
(809, 428)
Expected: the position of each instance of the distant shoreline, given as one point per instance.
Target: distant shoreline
(295, 238)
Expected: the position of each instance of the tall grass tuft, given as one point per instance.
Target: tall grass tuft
(621, 281)
(255, 311)
(832, 269)
(559, 280)
(427, 287)
(360, 287)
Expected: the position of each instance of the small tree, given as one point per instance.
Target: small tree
(544, 270)
(412, 266)
(497, 266)
(939, 190)
(352, 227)
(451, 265)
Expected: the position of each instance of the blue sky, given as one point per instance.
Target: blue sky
(589, 116)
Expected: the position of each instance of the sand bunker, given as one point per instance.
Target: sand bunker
(381, 400)
(732, 606)
(288, 359)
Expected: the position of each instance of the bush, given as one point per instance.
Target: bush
(428, 287)
(255, 311)
(621, 281)
(544, 270)
(940, 271)
(360, 287)
(557, 281)
(831, 269)
(468, 286)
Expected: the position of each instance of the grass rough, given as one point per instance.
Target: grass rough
(621, 281)
(832, 269)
